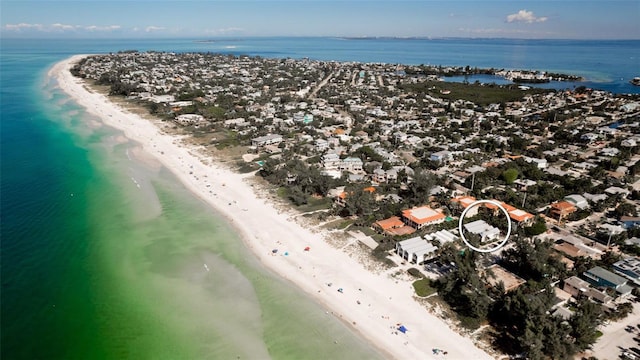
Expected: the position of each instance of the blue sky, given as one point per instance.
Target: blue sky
(559, 19)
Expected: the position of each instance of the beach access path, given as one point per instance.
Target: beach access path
(374, 305)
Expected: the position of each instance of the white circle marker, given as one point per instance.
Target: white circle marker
(477, 202)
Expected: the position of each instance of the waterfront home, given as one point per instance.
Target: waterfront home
(415, 249)
(266, 140)
(422, 216)
(496, 274)
(387, 226)
(190, 119)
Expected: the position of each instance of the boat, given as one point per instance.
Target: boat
(635, 81)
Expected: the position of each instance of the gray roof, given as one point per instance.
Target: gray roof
(608, 276)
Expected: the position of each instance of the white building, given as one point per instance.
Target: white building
(266, 140)
(484, 230)
(190, 119)
(415, 249)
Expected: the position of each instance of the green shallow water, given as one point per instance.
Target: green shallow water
(112, 263)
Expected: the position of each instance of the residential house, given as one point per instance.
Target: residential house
(579, 288)
(441, 156)
(420, 217)
(414, 249)
(521, 217)
(615, 190)
(331, 161)
(321, 145)
(266, 140)
(190, 119)
(629, 268)
(389, 225)
(496, 274)
(379, 176)
(341, 198)
(464, 202)
(540, 163)
(578, 201)
(352, 164)
(442, 236)
(484, 230)
(629, 222)
(562, 209)
(600, 277)
(523, 184)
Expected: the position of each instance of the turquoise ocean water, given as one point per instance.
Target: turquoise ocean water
(95, 267)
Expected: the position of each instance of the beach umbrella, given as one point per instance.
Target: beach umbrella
(307, 248)
(402, 329)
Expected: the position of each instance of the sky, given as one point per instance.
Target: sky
(541, 19)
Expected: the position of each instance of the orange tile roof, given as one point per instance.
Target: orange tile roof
(506, 206)
(370, 189)
(464, 200)
(389, 223)
(520, 215)
(422, 215)
(563, 206)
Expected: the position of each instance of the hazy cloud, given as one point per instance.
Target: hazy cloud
(63, 27)
(505, 32)
(102, 28)
(23, 26)
(57, 27)
(225, 31)
(153, 28)
(525, 16)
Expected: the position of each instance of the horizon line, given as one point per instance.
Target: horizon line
(365, 37)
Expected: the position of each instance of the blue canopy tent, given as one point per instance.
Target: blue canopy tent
(402, 329)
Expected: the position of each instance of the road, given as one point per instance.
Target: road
(615, 338)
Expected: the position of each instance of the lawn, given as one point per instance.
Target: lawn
(423, 287)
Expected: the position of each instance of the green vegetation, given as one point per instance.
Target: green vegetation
(423, 287)
(479, 94)
(510, 175)
(415, 273)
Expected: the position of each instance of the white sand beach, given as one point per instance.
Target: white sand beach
(373, 304)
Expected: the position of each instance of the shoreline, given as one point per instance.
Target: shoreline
(373, 305)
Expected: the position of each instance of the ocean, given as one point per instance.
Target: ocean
(94, 268)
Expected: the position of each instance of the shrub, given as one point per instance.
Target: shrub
(415, 273)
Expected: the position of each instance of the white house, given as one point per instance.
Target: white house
(441, 156)
(266, 140)
(541, 163)
(352, 164)
(190, 119)
(331, 161)
(321, 145)
(486, 231)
